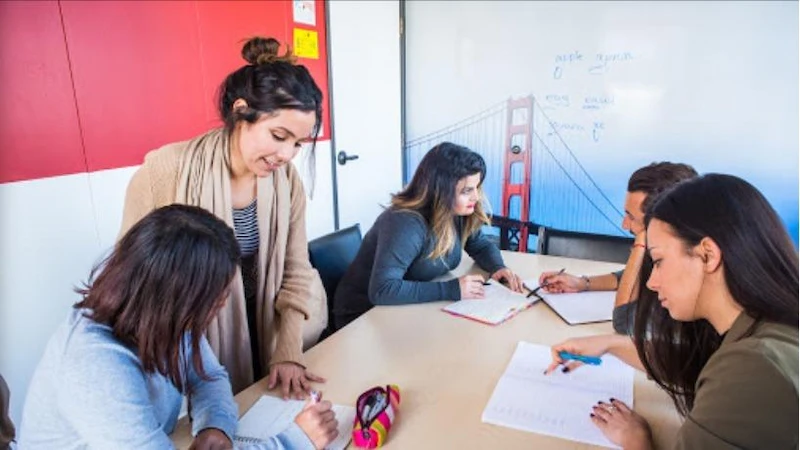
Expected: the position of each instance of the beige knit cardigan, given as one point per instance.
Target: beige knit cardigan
(292, 314)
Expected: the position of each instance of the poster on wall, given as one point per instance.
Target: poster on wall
(591, 91)
(304, 12)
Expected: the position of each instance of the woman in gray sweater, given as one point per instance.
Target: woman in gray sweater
(421, 236)
(113, 375)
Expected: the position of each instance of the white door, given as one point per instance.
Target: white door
(365, 76)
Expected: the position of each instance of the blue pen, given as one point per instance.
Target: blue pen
(593, 360)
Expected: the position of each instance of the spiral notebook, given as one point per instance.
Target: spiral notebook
(271, 415)
(498, 305)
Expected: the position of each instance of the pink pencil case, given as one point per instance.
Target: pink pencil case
(376, 410)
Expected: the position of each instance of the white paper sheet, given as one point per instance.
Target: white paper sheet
(498, 304)
(580, 307)
(270, 416)
(558, 404)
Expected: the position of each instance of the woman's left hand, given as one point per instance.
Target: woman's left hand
(211, 439)
(513, 280)
(295, 380)
(621, 425)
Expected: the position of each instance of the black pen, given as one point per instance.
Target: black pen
(545, 284)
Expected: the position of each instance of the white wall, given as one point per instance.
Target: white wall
(53, 230)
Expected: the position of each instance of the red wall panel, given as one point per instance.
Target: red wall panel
(226, 25)
(39, 130)
(138, 77)
(95, 85)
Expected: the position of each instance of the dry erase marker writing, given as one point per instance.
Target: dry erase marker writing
(593, 360)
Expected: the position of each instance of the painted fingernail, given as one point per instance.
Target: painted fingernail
(591, 414)
(565, 370)
(599, 403)
(612, 399)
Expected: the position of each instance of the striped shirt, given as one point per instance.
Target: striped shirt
(245, 226)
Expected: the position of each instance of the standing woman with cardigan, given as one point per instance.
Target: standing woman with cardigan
(421, 236)
(243, 175)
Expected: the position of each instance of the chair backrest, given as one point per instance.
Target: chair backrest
(574, 244)
(510, 231)
(331, 255)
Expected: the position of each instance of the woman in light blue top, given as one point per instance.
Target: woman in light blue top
(113, 375)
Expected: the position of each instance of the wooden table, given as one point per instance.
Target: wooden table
(447, 367)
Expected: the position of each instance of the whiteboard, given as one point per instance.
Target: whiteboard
(712, 84)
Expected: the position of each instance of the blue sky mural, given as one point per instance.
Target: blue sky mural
(616, 86)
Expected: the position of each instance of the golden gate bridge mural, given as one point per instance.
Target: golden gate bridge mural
(533, 177)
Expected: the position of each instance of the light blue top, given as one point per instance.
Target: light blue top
(91, 392)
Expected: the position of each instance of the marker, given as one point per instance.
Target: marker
(593, 360)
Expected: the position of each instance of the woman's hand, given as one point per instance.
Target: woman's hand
(586, 346)
(211, 439)
(295, 380)
(318, 422)
(513, 280)
(561, 283)
(621, 425)
(471, 287)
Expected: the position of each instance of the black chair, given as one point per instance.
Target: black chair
(510, 230)
(573, 244)
(331, 255)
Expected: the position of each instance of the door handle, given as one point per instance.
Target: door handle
(342, 157)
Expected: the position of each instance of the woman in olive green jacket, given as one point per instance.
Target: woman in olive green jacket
(720, 332)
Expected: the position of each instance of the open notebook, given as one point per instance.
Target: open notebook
(580, 307)
(271, 415)
(498, 305)
(557, 404)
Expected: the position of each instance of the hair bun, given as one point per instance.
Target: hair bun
(261, 50)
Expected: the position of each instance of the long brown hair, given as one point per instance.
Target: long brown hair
(432, 194)
(760, 269)
(166, 278)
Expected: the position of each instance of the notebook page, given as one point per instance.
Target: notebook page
(498, 304)
(581, 307)
(271, 415)
(557, 404)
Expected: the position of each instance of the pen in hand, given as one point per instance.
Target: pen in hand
(315, 396)
(567, 356)
(545, 284)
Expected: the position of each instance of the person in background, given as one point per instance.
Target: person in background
(243, 175)
(7, 431)
(421, 236)
(644, 186)
(114, 373)
(719, 331)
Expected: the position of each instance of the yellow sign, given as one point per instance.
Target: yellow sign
(306, 44)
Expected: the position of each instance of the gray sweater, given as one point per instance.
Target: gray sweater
(90, 391)
(392, 266)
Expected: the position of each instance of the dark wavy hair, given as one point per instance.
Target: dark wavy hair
(657, 177)
(760, 266)
(167, 276)
(268, 83)
(432, 193)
